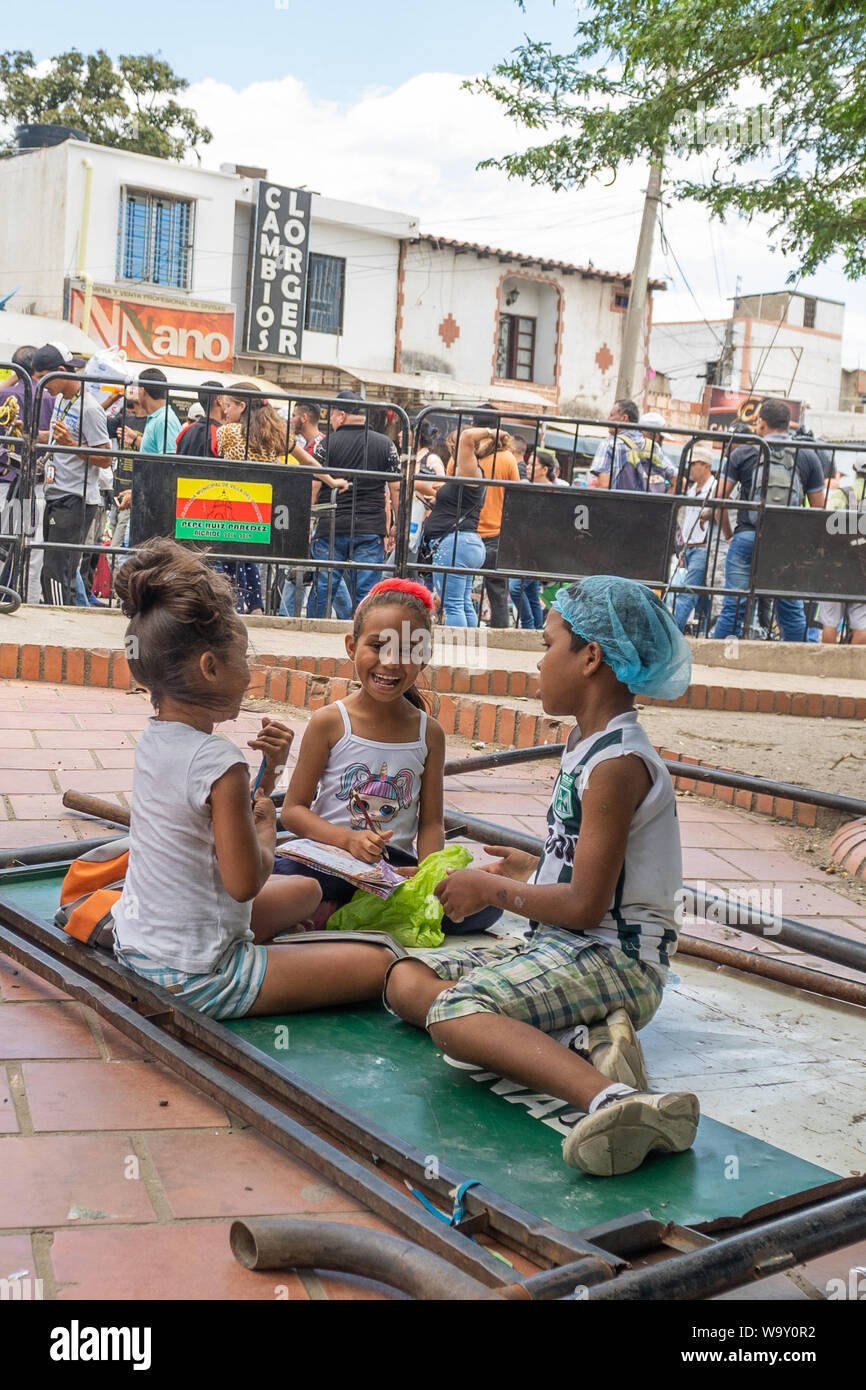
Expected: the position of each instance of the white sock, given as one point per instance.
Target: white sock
(614, 1090)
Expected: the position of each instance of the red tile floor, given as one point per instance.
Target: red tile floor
(119, 1180)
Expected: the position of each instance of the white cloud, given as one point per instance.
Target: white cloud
(415, 148)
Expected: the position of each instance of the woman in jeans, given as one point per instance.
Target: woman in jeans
(452, 530)
(542, 470)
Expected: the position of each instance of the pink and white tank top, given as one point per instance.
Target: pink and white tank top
(384, 778)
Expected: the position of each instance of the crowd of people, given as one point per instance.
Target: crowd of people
(459, 493)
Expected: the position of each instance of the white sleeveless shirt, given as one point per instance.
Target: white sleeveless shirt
(384, 777)
(641, 919)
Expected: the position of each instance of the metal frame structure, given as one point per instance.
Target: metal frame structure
(309, 1123)
(408, 443)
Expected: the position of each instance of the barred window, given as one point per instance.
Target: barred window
(155, 238)
(326, 281)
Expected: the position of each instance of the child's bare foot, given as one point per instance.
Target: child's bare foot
(623, 1129)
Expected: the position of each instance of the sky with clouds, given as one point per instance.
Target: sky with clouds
(367, 104)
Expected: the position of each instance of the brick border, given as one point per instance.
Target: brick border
(460, 699)
(83, 666)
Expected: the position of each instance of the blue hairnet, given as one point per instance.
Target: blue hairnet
(638, 637)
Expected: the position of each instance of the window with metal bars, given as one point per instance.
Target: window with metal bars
(326, 283)
(155, 238)
(810, 307)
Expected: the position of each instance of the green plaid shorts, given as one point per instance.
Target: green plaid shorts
(553, 981)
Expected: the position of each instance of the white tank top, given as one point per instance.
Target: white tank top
(641, 919)
(385, 778)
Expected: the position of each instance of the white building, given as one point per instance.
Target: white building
(166, 250)
(781, 344)
(156, 258)
(508, 322)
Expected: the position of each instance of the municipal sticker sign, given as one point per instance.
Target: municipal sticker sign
(216, 509)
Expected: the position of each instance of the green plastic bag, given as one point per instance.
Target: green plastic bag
(412, 915)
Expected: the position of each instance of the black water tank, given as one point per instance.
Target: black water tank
(37, 137)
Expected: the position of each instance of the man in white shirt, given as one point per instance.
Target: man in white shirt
(72, 497)
(695, 533)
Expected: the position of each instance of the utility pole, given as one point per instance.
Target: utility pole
(633, 327)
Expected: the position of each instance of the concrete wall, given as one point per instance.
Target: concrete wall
(451, 304)
(33, 214)
(682, 351)
(41, 197)
(787, 360)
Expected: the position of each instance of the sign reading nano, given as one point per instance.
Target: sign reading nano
(278, 271)
(150, 330)
(217, 510)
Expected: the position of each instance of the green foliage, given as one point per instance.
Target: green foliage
(771, 92)
(129, 105)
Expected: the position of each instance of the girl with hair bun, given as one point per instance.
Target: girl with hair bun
(201, 904)
(369, 776)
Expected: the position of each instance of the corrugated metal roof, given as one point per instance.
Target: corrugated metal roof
(589, 272)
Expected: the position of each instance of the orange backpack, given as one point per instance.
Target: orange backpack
(92, 886)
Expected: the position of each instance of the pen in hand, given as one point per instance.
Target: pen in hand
(361, 810)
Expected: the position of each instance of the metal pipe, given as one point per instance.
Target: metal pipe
(797, 976)
(61, 852)
(743, 781)
(87, 165)
(282, 1243)
(745, 1257)
(386, 1201)
(726, 911)
(765, 786)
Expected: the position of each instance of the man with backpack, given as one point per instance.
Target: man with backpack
(631, 460)
(794, 474)
(849, 497)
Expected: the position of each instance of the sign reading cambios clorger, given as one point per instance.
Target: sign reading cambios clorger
(164, 334)
(278, 271)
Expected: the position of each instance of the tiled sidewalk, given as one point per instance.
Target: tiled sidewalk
(119, 1180)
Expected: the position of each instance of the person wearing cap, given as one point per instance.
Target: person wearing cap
(745, 466)
(850, 496)
(362, 531)
(72, 498)
(696, 530)
(631, 460)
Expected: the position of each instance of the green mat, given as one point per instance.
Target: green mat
(504, 1137)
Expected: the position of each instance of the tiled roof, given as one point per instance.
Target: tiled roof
(543, 262)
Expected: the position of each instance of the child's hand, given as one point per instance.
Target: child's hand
(463, 892)
(265, 813)
(513, 863)
(274, 741)
(368, 845)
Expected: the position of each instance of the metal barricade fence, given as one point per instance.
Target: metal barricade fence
(15, 443)
(546, 533)
(249, 509)
(554, 533)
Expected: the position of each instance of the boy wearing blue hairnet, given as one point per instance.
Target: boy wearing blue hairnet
(601, 899)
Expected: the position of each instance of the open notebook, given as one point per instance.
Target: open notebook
(374, 878)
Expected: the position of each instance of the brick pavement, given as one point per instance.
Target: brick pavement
(120, 1180)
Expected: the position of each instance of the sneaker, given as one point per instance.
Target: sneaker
(617, 1137)
(615, 1051)
(611, 1047)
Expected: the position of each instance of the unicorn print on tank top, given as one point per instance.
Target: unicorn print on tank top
(381, 795)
